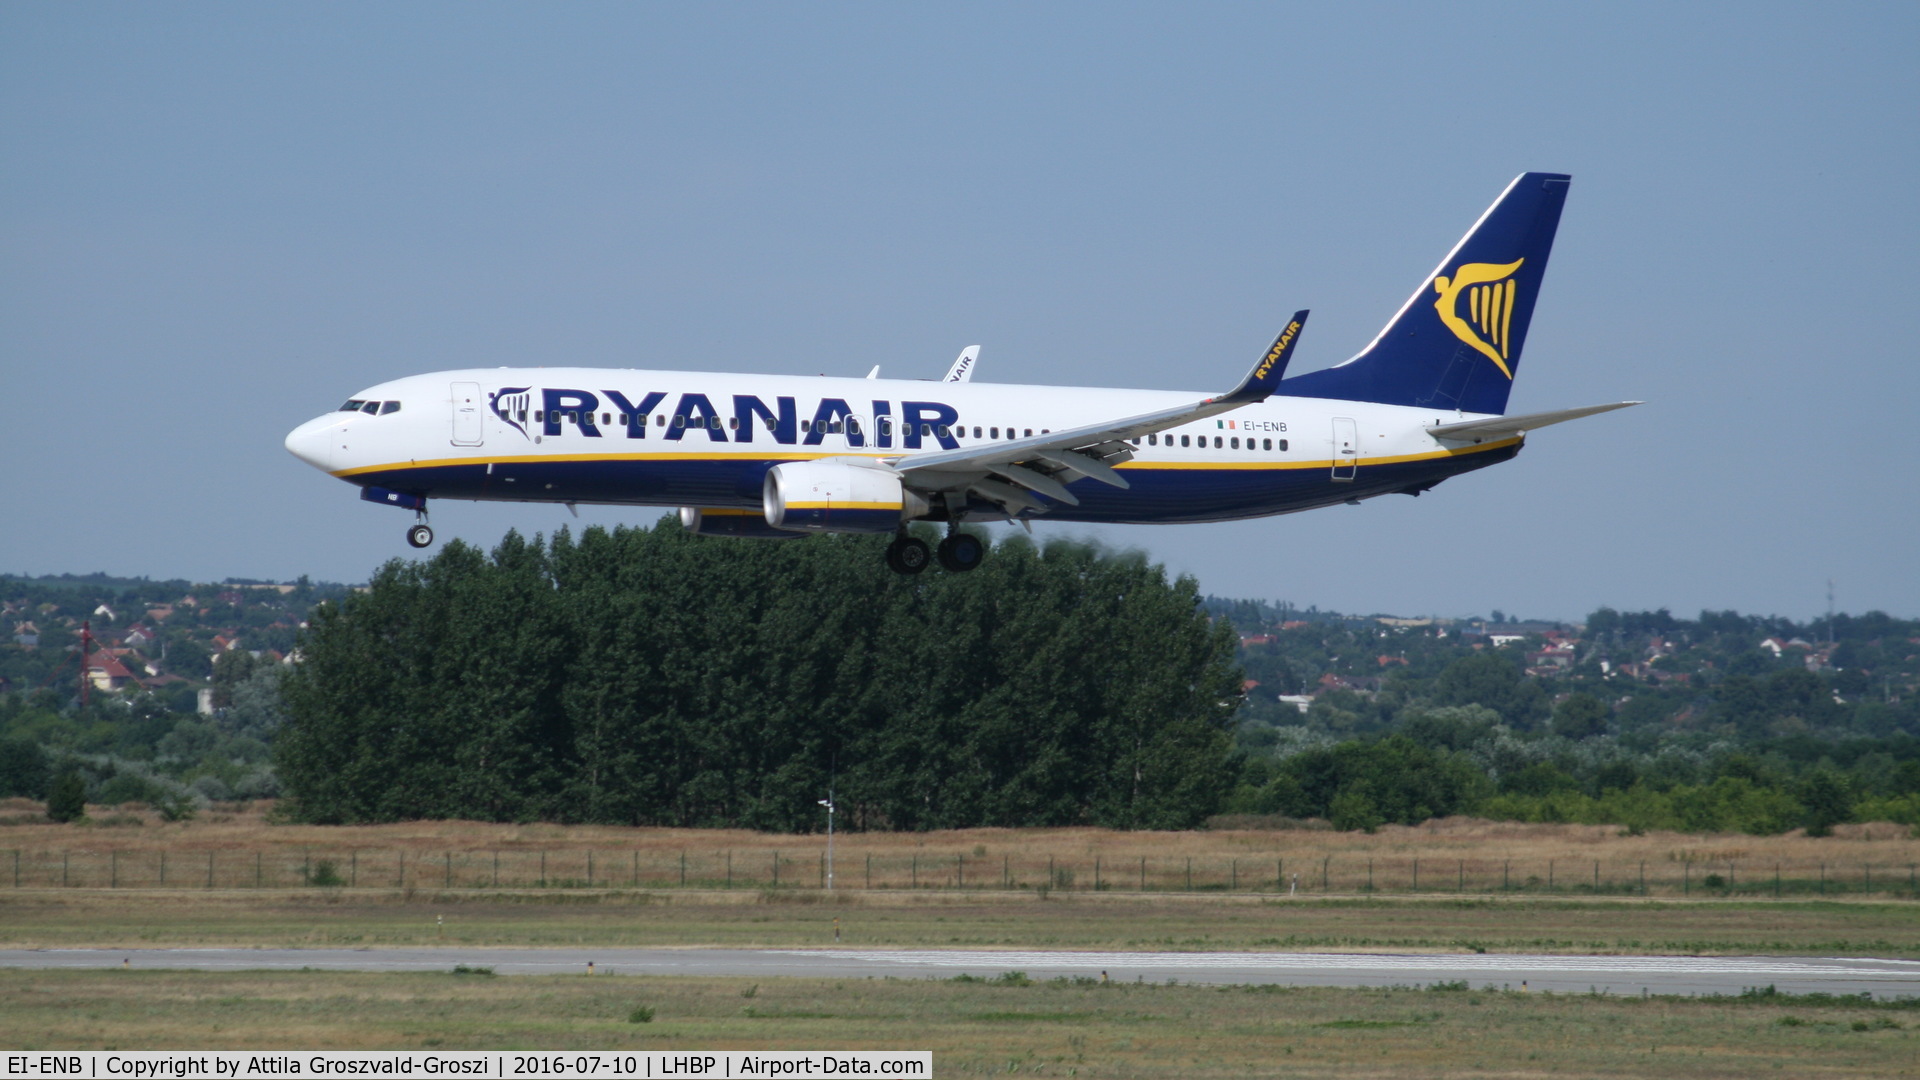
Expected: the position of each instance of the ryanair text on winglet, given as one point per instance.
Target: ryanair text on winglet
(1279, 346)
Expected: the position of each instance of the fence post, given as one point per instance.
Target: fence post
(1823, 879)
(496, 868)
(1323, 873)
(1549, 875)
(960, 871)
(64, 856)
(823, 870)
(1776, 881)
(1643, 877)
(259, 880)
(1686, 878)
(913, 873)
(1096, 873)
(1868, 872)
(1233, 879)
(869, 869)
(16, 868)
(589, 868)
(446, 880)
(1416, 873)
(776, 869)
(1143, 873)
(1050, 877)
(113, 873)
(1506, 875)
(306, 866)
(729, 869)
(1596, 875)
(1189, 873)
(163, 866)
(403, 866)
(1006, 872)
(209, 869)
(354, 868)
(636, 869)
(1369, 875)
(543, 869)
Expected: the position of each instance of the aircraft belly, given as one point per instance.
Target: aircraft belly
(1158, 494)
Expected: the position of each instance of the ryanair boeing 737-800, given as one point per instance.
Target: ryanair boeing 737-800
(781, 456)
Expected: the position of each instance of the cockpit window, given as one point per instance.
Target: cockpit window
(370, 407)
(389, 407)
(351, 406)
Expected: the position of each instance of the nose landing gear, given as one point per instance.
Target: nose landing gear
(420, 535)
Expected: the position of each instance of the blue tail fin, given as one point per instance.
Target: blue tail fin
(1456, 344)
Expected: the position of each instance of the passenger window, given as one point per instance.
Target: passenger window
(1029, 433)
(926, 431)
(993, 432)
(1236, 442)
(945, 431)
(659, 420)
(679, 421)
(539, 416)
(1266, 444)
(1216, 442)
(834, 427)
(1283, 446)
(606, 418)
(1184, 438)
(976, 433)
(733, 424)
(1153, 440)
(389, 407)
(806, 425)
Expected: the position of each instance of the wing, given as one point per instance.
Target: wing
(1012, 473)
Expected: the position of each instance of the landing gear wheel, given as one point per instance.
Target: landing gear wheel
(419, 536)
(908, 555)
(961, 552)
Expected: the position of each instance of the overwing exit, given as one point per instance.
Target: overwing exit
(783, 456)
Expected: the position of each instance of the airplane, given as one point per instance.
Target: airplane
(783, 456)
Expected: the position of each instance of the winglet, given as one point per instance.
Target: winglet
(962, 369)
(1266, 375)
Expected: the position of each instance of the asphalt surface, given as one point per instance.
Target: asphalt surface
(1701, 975)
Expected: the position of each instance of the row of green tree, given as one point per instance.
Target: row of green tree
(646, 676)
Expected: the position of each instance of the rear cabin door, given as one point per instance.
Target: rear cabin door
(467, 429)
(1346, 447)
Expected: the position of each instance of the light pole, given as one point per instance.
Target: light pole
(828, 803)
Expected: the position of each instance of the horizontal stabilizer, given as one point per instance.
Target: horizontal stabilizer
(1499, 426)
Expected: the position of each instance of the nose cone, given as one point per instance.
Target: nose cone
(312, 442)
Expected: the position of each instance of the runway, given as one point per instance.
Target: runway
(1682, 975)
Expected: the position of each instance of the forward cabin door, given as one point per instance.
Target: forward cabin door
(1346, 447)
(467, 430)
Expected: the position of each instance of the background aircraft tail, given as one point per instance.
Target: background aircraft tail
(1456, 344)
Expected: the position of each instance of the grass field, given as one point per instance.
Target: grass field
(1055, 1028)
(238, 848)
(323, 917)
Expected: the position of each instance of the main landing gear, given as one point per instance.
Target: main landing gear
(421, 534)
(908, 555)
(959, 552)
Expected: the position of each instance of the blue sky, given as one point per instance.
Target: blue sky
(219, 220)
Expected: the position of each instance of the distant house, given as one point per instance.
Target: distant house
(1256, 639)
(106, 672)
(1499, 640)
(1387, 661)
(104, 612)
(1303, 702)
(140, 636)
(26, 635)
(159, 614)
(223, 643)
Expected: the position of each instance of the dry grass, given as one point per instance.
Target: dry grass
(1049, 1029)
(762, 918)
(237, 847)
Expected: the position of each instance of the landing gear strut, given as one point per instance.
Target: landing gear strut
(420, 535)
(908, 555)
(961, 552)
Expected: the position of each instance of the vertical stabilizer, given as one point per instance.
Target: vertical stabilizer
(1456, 344)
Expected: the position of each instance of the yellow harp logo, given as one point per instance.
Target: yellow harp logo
(1489, 320)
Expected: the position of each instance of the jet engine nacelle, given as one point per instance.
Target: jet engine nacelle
(837, 496)
(747, 524)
